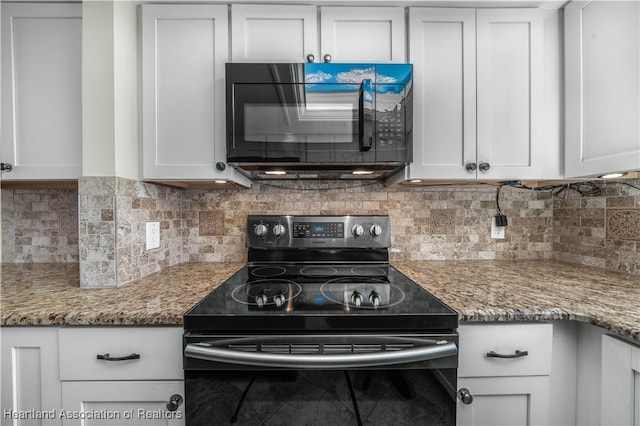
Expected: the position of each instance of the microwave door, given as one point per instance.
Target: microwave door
(279, 87)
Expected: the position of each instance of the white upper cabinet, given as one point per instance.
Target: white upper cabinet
(273, 33)
(358, 34)
(509, 93)
(41, 91)
(442, 51)
(602, 83)
(184, 51)
(479, 94)
(278, 33)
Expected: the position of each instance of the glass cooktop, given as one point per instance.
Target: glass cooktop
(319, 298)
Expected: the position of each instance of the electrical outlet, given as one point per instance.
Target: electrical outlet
(153, 235)
(497, 232)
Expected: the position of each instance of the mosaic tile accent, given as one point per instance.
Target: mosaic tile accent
(210, 223)
(39, 225)
(623, 224)
(443, 221)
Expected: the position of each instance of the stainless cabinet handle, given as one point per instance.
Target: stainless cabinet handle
(484, 167)
(327, 58)
(465, 396)
(107, 357)
(310, 58)
(210, 353)
(517, 354)
(471, 167)
(6, 167)
(174, 402)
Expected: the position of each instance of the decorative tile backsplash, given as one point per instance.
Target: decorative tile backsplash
(96, 228)
(601, 231)
(102, 225)
(113, 217)
(39, 225)
(138, 203)
(427, 222)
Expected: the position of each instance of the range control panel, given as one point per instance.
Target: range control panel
(267, 231)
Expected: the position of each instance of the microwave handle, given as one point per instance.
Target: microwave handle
(365, 115)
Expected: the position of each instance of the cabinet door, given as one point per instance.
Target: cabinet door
(512, 401)
(184, 49)
(510, 80)
(362, 34)
(41, 91)
(620, 382)
(442, 50)
(602, 88)
(273, 33)
(121, 403)
(30, 379)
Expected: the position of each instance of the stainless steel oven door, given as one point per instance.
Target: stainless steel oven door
(321, 379)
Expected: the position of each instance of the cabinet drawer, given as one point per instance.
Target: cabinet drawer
(476, 341)
(159, 348)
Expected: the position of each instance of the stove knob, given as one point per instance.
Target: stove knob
(376, 230)
(279, 300)
(261, 230)
(261, 299)
(374, 298)
(279, 230)
(357, 230)
(356, 298)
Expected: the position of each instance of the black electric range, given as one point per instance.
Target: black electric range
(318, 295)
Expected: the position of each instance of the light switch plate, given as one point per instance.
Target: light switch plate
(153, 235)
(497, 232)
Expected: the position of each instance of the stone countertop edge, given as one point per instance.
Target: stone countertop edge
(480, 291)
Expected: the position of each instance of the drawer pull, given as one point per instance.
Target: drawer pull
(518, 354)
(107, 357)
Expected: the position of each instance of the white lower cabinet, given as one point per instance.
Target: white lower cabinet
(30, 381)
(505, 401)
(620, 397)
(121, 403)
(506, 369)
(121, 375)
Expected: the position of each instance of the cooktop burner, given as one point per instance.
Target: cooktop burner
(318, 271)
(268, 271)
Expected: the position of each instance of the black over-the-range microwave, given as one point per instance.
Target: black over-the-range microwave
(330, 120)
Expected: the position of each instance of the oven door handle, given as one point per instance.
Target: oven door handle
(334, 361)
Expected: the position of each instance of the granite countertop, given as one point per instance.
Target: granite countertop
(48, 294)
